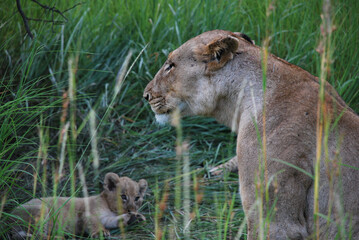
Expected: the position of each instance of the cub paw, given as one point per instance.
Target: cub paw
(105, 233)
(135, 218)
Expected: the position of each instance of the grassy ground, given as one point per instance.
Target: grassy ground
(35, 78)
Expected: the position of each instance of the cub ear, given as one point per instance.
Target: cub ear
(218, 52)
(143, 186)
(111, 179)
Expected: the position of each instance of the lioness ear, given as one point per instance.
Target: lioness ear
(111, 179)
(218, 52)
(143, 186)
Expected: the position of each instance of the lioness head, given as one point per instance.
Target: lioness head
(123, 189)
(187, 79)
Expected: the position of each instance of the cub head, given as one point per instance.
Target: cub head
(187, 79)
(123, 194)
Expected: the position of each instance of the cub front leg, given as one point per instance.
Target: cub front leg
(229, 166)
(112, 222)
(95, 227)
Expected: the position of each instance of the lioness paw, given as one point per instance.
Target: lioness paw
(229, 166)
(216, 171)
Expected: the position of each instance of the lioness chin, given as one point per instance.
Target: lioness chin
(119, 202)
(219, 74)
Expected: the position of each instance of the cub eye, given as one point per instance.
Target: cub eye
(124, 197)
(137, 198)
(170, 65)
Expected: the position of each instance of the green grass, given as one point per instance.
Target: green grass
(97, 37)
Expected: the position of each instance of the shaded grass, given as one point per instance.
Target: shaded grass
(99, 35)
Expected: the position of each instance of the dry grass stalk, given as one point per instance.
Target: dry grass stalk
(94, 150)
(323, 119)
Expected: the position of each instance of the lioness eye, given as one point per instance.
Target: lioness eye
(137, 198)
(124, 197)
(170, 65)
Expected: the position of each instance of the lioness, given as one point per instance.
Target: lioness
(119, 201)
(219, 74)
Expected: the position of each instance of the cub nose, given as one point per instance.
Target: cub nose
(147, 96)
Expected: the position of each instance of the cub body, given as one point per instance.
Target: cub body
(119, 201)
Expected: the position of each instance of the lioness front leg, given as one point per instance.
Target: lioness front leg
(288, 191)
(229, 166)
(288, 200)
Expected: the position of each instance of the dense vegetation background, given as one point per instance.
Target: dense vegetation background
(49, 85)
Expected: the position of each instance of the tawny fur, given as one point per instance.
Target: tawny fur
(229, 88)
(117, 204)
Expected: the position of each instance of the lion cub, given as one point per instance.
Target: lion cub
(119, 201)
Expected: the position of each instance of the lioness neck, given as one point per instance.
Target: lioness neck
(240, 95)
(240, 84)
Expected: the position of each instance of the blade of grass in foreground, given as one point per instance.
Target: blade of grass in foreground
(324, 49)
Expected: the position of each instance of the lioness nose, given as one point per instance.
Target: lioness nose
(147, 96)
